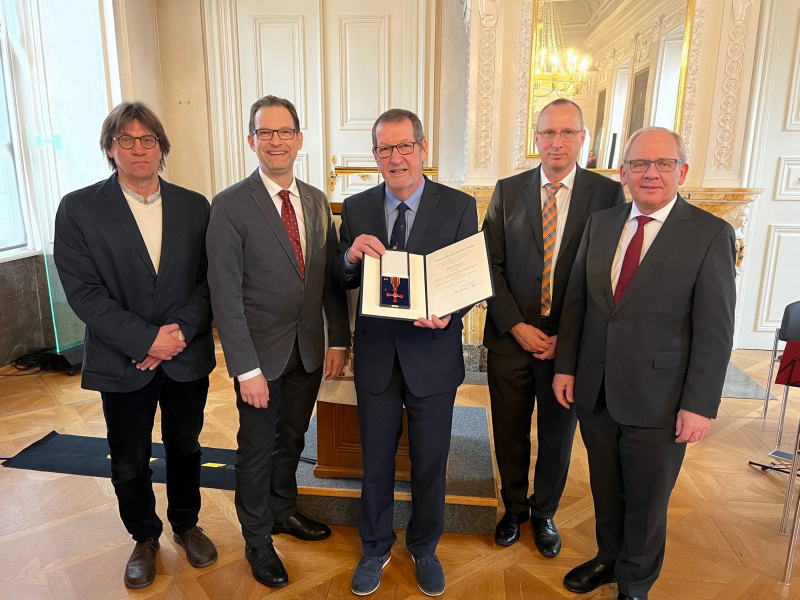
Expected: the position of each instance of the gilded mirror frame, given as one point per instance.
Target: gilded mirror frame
(530, 142)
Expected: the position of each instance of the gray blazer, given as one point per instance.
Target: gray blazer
(667, 344)
(261, 303)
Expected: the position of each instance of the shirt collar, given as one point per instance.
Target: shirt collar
(568, 181)
(660, 215)
(273, 188)
(412, 202)
(138, 197)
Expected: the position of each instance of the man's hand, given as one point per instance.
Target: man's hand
(564, 387)
(167, 343)
(334, 361)
(690, 427)
(364, 244)
(149, 363)
(255, 391)
(550, 352)
(434, 322)
(531, 339)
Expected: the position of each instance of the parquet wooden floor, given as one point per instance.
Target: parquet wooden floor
(61, 537)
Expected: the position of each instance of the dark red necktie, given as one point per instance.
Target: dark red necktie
(631, 261)
(289, 219)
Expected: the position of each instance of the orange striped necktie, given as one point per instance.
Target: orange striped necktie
(549, 227)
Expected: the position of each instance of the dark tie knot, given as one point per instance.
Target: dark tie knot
(402, 208)
(284, 195)
(553, 187)
(643, 220)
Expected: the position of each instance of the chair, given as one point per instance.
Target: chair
(789, 330)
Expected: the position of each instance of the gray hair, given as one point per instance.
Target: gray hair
(398, 115)
(560, 102)
(678, 140)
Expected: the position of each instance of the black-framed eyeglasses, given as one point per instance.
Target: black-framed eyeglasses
(568, 135)
(664, 165)
(266, 134)
(129, 141)
(386, 151)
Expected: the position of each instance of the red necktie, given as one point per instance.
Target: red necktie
(632, 257)
(289, 219)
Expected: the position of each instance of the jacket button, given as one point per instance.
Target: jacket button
(300, 292)
(602, 360)
(538, 280)
(613, 320)
(158, 295)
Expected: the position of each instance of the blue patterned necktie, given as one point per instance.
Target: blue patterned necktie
(398, 239)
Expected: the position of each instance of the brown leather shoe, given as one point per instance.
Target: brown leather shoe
(141, 569)
(200, 551)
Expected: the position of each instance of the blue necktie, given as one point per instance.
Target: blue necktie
(398, 239)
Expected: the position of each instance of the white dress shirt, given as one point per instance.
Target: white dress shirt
(651, 230)
(273, 189)
(563, 196)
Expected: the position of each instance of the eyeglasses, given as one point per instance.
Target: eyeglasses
(386, 151)
(567, 135)
(664, 165)
(266, 134)
(128, 141)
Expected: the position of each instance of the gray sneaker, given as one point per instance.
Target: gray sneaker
(430, 576)
(367, 576)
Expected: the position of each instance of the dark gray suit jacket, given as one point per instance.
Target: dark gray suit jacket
(513, 227)
(261, 303)
(667, 344)
(111, 283)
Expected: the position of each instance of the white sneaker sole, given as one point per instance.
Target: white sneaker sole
(373, 590)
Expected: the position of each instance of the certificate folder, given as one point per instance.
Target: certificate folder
(440, 283)
(789, 369)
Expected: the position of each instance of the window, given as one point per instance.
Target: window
(12, 223)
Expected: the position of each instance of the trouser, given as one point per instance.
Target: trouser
(515, 386)
(430, 420)
(632, 471)
(270, 442)
(129, 421)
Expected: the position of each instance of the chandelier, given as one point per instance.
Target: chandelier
(555, 70)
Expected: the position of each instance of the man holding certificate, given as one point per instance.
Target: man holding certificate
(398, 362)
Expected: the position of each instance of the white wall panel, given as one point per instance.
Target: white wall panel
(364, 84)
(781, 285)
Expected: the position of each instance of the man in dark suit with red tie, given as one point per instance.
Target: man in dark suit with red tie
(533, 229)
(271, 244)
(646, 335)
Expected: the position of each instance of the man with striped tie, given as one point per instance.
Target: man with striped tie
(533, 227)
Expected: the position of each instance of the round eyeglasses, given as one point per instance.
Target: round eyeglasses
(128, 141)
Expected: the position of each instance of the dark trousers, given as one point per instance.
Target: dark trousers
(270, 442)
(129, 423)
(430, 419)
(632, 471)
(515, 386)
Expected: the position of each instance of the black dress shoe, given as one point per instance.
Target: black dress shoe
(302, 528)
(588, 576)
(548, 540)
(507, 530)
(626, 597)
(267, 566)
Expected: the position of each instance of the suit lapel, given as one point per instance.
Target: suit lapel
(532, 197)
(378, 211)
(170, 218)
(261, 197)
(425, 210)
(613, 233)
(668, 238)
(578, 203)
(313, 221)
(118, 207)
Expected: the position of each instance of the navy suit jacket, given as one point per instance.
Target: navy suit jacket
(111, 283)
(431, 359)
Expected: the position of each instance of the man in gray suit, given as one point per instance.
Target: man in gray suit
(271, 243)
(646, 334)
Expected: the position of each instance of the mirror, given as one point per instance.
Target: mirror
(623, 63)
